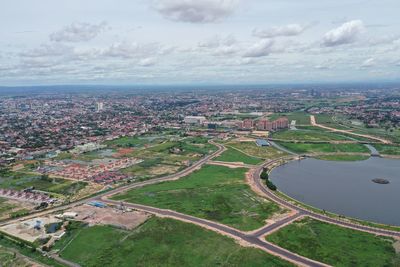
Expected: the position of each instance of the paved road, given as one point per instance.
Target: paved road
(304, 212)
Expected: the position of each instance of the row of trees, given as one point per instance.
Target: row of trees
(265, 176)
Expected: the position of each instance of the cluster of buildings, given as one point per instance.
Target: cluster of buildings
(95, 173)
(108, 177)
(264, 124)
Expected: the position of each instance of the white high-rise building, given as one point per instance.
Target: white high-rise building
(99, 106)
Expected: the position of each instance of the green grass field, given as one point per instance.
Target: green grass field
(387, 149)
(214, 192)
(161, 242)
(250, 148)
(308, 135)
(325, 148)
(301, 118)
(233, 155)
(335, 245)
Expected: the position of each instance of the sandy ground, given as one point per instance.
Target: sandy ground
(396, 246)
(232, 165)
(110, 216)
(17, 205)
(25, 229)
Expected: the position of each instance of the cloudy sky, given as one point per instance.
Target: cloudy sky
(198, 41)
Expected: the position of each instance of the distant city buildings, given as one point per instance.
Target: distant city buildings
(264, 124)
(194, 119)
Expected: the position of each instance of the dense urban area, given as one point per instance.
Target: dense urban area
(131, 177)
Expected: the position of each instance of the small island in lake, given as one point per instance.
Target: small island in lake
(380, 181)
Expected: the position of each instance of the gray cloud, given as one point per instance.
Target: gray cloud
(147, 62)
(286, 30)
(345, 34)
(370, 62)
(48, 50)
(196, 11)
(78, 32)
(260, 49)
(136, 50)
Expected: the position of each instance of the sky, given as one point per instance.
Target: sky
(125, 42)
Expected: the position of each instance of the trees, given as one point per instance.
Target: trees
(264, 175)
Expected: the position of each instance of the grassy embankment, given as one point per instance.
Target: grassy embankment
(335, 245)
(161, 242)
(304, 148)
(388, 149)
(214, 192)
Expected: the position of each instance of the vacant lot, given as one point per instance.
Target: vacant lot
(214, 192)
(325, 148)
(22, 180)
(250, 148)
(168, 157)
(335, 245)
(161, 242)
(233, 155)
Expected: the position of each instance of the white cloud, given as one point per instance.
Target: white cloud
(220, 46)
(286, 30)
(195, 11)
(345, 34)
(147, 62)
(370, 62)
(78, 32)
(260, 49)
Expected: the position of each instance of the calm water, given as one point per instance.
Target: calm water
(345, 187)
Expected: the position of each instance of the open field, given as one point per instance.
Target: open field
(23, 180)
(250, 148)
(233, 155)
(391, 134)
(214, 192)
(9, 258)
(161, 242)
(325, 148)
(309, 135)
(335, 245)
(8, 245)
(387, 149)
(168, 157)
(12, 207)
(301, 118)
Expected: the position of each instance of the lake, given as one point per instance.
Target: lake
(345, 188)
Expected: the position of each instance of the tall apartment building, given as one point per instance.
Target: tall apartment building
(266, 125)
